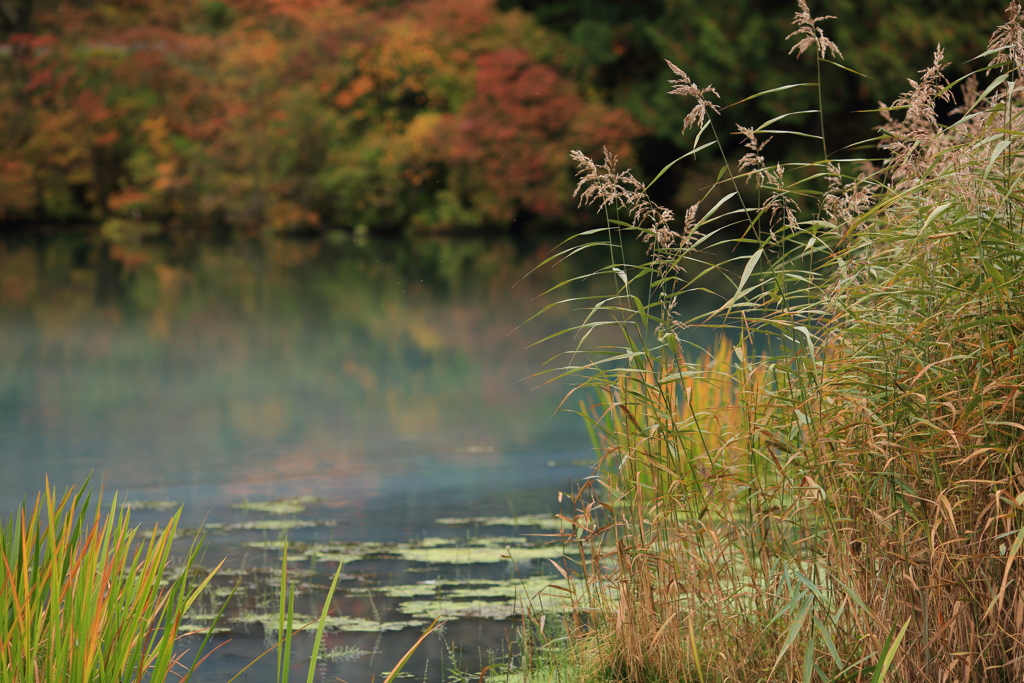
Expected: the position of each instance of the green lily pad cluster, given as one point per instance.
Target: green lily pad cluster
(269, 622)
(428, 550)
(540, 521)
(270, 525)
(345, 653)
(481, 599)
(416, 604)
(159, 505)
(283, 506)
(428, 600)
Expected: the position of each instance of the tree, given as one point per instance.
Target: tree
(740, 47)
(283, 115)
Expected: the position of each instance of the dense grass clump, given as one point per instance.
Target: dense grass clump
(839, 496)
(82, 600)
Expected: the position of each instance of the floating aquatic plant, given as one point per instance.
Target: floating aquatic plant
(159, 505)
(270, 525)
(269, 622)
(540, 521)
(345, 654)
(283, 506)
(429, 550)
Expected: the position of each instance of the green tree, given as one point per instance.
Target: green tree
(740, 47)
(291, 114)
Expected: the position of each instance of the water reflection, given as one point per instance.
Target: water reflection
(213, 372)
(386, 379)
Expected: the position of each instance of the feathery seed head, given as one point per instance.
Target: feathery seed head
(780, 207)
(920, 99)
(684, 86)
(843, 201)
(920, 121)
(604, 185)
(753, 158)
(1009, 38)
(807, 26)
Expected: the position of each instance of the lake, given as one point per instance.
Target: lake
(375, 386)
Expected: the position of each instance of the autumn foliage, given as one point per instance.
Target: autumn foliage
(285, 114)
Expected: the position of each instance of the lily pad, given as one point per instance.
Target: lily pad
(283, 506)
(159, 505)
(345, 654)
(483, 599)
(271, 525)
(202, 629)
(479, 542)
(551, 674)
(428, 550)
(476, 609)
(298, 552)
(540, 521)
(410, 590)
(478, 555)
(269, 622)
(474, 589)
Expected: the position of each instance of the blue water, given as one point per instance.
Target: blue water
(395, 381)
(389, 378)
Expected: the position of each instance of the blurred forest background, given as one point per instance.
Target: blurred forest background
(410, 115)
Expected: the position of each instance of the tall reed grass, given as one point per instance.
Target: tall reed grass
(837, 494)
(83, 598)
(80, 600)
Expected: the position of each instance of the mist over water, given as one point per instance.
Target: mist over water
(392, 381)
(213, 373)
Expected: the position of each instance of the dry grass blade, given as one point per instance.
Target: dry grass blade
(836, 493)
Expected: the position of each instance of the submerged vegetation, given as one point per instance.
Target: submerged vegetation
(86, 596)
(485, 549)
(836, 493)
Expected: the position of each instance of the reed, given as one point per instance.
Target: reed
(837, 494)
(80, 600)
(84, 598)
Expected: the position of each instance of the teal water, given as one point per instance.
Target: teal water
(389, 378)
(392, 381)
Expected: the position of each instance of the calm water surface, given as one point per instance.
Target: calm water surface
(389, 380)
